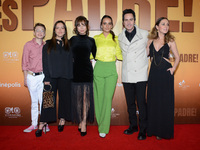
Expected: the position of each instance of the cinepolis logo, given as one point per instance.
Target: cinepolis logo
(12, 112)
(183, 84)
(10, 85)
(114, 114)
(11, 56)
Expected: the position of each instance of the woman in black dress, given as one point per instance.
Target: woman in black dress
(82, 47)
(160, 92)
(57, 67)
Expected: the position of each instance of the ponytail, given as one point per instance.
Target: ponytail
(113, 35)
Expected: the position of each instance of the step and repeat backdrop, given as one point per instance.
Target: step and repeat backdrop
(17, 18)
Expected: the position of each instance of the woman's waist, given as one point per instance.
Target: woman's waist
(106, 58)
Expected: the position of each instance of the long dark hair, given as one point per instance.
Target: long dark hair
(52, 43)
(154, 34)
(107, 16)
(79, 20)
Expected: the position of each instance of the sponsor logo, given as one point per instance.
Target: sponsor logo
(10, 85)
(12, 112)
(114, 114)
(10, 56)
(183, 84)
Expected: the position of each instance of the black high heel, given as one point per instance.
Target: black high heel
(83, 133)
(61, 127)
(79, 128)
(38, 133)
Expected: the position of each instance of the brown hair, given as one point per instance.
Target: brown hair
(52, 43)
(154, 34)
(41, 25)
(107, 16)
(78, 21)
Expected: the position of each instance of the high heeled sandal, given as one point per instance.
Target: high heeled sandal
(38, 133)
(84, 133)
(61, 127)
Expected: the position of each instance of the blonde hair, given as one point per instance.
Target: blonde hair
(154, 34)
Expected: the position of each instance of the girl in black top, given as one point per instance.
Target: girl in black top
(82, 89)
(58, 70)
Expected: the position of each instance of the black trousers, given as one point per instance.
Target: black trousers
(63, 87)
(138, 91)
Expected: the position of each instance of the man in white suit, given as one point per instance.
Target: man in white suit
(133, 41)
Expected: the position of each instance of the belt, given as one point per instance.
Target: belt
(35, 73)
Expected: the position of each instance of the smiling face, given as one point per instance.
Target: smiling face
(59, 30)
(129, 22)
(163, 26)
(106, 25)
(81, 27)
(39, 32)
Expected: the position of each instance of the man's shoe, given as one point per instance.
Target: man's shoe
(141, 136)
(31, 128)
(130, 130)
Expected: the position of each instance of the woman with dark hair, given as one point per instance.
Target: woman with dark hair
(82, 47)
(160, 92)
(58, 71)
(105, 74)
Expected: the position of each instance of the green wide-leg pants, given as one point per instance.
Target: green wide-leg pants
(105, 79)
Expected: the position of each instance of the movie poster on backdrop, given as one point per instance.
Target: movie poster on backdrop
(17, 18)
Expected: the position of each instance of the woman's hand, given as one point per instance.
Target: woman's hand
(171, 70)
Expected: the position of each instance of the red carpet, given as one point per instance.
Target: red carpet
(186, 137)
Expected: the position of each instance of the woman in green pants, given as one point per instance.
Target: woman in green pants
(105, 74)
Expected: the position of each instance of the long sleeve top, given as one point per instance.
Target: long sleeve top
(32, 56)
(58, 63)
(107, 49)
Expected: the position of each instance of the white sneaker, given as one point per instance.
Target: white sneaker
(103, 135)
(47, 129)
(31, 128)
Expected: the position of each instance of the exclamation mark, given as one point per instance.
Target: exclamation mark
(188, 26)
(0, 17)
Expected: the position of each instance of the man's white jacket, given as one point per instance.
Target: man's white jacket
(135, 61)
